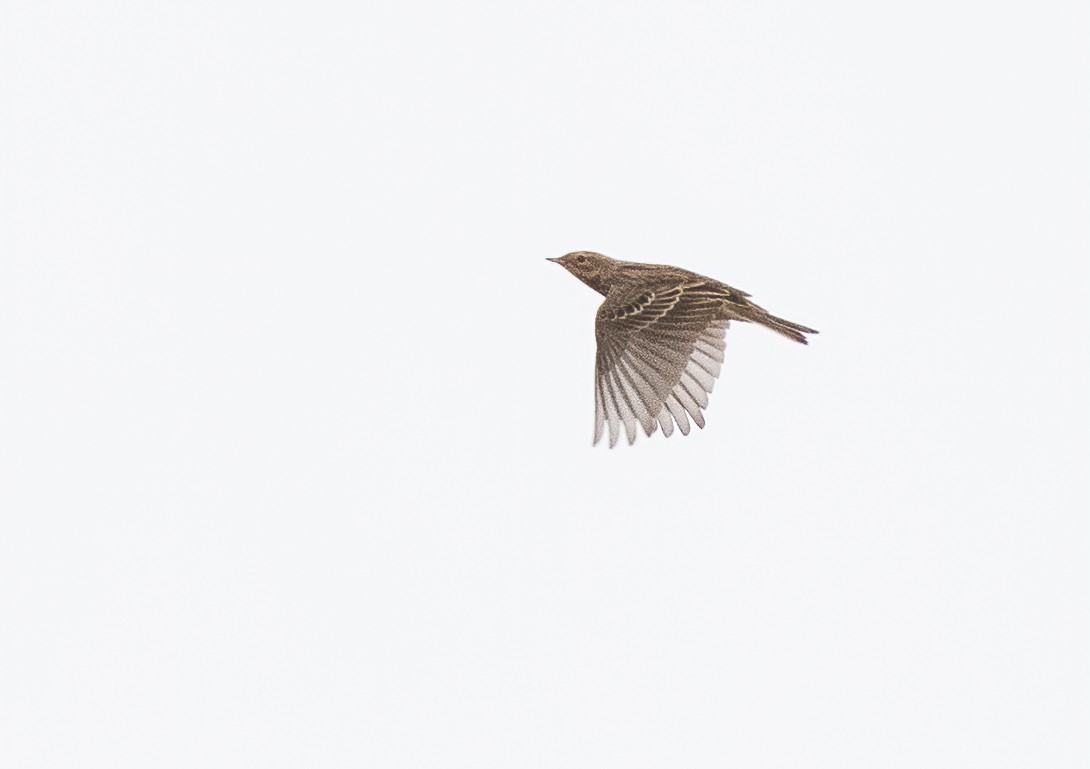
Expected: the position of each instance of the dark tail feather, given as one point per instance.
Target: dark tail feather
(790, 330)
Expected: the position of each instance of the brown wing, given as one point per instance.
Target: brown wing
(659, 352)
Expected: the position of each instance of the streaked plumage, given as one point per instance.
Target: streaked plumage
(660, 334)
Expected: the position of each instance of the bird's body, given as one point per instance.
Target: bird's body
(660, 334)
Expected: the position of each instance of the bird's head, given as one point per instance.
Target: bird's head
(594, 269)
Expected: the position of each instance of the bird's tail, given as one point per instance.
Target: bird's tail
(794, 331)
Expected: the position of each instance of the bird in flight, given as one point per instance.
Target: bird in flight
(660, 334)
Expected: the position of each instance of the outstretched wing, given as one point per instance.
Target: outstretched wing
(659, 352)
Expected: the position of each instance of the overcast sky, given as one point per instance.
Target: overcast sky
(296, 419)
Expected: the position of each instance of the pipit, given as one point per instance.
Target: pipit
(660, 336)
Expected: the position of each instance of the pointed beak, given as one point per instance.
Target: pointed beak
(552, 259)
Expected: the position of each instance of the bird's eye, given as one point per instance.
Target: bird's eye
(580, 259)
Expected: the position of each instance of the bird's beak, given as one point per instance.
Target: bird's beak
(552, 259)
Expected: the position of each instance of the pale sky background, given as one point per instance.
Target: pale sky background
(295, 420)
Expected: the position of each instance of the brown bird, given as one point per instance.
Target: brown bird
(660, 335)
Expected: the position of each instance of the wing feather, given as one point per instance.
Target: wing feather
(686, 398)
(677, 411)
(634, 400)
(624, 408)
(659, 354)
(666, 422)
(647, 401)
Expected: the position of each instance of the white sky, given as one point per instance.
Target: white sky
(296, 419)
